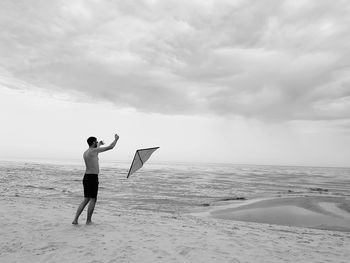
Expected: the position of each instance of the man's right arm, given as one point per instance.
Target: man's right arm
(109, 147)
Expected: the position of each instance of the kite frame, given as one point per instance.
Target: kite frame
(137, 152)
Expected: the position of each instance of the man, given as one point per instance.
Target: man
(90, 180)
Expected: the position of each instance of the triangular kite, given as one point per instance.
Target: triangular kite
(141, 156)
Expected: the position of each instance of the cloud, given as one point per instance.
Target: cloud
(270, 59)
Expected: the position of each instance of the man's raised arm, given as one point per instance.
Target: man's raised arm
(109, 147)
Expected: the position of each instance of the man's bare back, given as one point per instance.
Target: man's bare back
(91, 161)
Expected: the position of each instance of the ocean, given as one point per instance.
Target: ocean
(170, 187)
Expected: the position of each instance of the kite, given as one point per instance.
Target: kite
(141, 156)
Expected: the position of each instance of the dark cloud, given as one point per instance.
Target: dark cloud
(271, 59)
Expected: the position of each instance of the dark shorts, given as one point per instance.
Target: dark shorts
(90, 183)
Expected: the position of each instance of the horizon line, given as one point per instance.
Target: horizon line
(76, 160)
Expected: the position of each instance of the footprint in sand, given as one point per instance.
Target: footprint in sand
(51, 246)
(185, 251)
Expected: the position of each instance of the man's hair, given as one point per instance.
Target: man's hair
(91, 140)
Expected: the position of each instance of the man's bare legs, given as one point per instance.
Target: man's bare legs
(81, 208)
(90, 210)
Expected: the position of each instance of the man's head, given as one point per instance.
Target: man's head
(92, 142)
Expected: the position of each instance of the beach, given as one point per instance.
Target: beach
(135, 224)
(164, 131)
(35, 231)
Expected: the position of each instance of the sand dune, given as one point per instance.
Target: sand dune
(324, 212)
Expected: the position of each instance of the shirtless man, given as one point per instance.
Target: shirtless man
(90, 180)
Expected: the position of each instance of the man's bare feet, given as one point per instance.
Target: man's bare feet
(89, 223)
(75, 222)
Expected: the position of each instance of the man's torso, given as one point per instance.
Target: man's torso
(91, 162)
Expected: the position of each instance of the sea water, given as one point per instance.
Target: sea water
(169, 187)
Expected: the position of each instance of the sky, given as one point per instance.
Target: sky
(228, 81)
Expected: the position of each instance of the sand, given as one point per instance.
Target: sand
(39, 230)
(322, 212)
